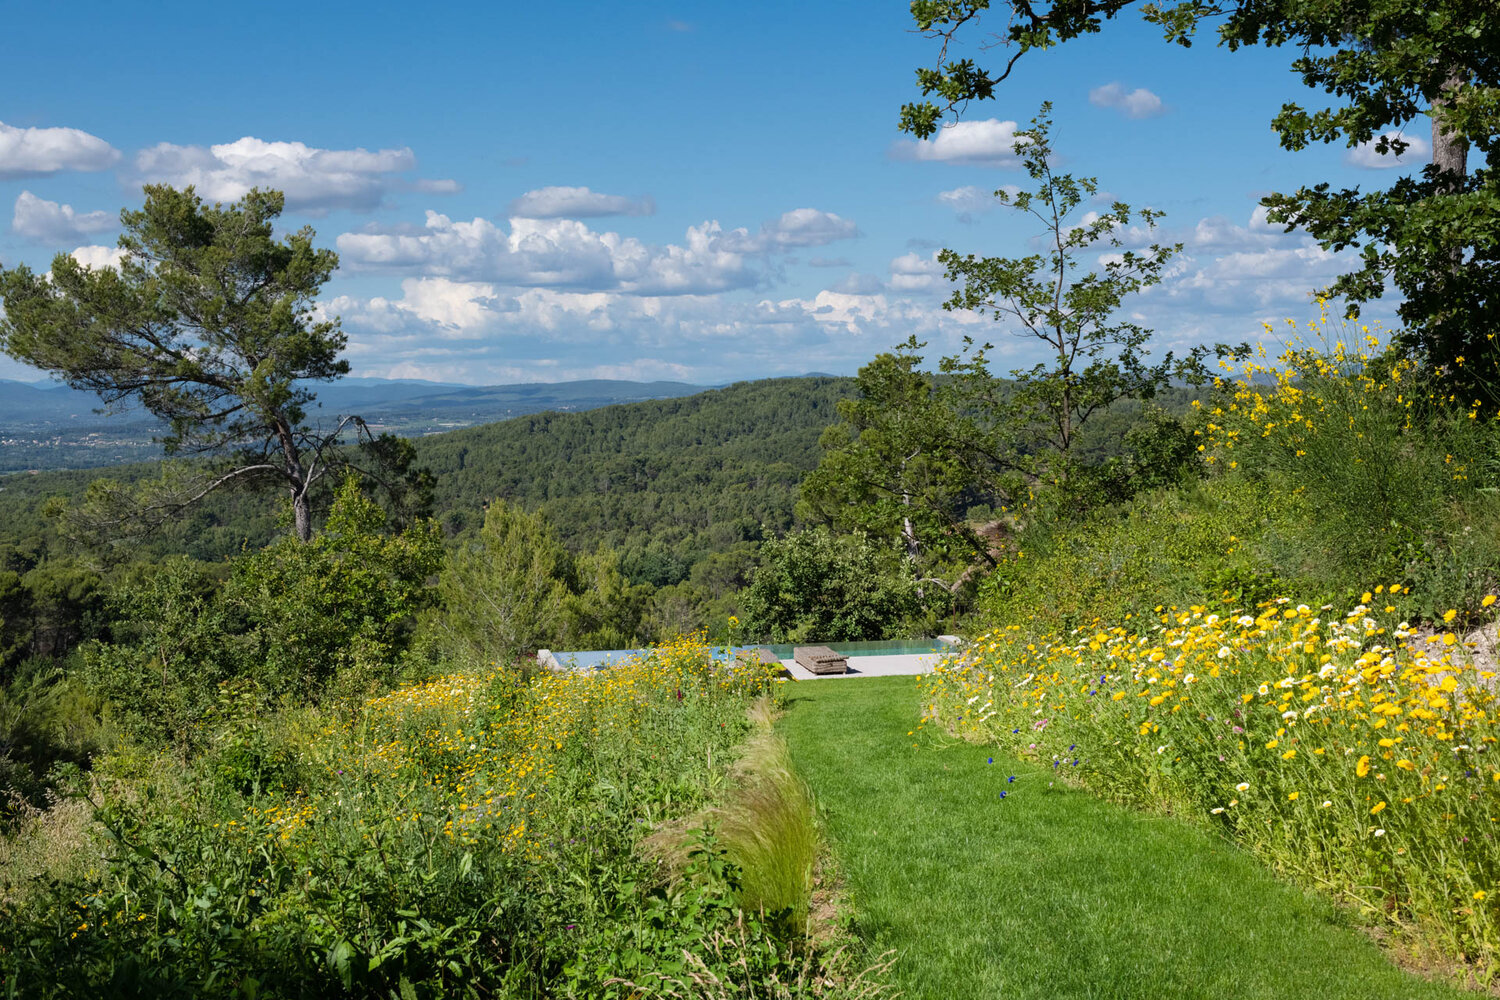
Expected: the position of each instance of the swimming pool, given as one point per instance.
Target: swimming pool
(592, 658)
(882, 647)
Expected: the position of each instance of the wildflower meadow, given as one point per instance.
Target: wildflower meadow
(476, 834)
(1355, 754)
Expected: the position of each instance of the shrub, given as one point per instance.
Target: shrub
(341, 605)
(1327, 467)
(1211, 540)
(48, 728)
(1398, 476)
(815, 585)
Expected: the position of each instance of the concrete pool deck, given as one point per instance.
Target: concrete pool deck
(888, 665)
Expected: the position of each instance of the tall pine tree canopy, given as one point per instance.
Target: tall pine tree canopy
(208, 323)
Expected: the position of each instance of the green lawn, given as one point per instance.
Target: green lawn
(1050, 892)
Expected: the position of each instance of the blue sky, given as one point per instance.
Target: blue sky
(703, 192)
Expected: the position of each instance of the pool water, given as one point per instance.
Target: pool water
(886, 647)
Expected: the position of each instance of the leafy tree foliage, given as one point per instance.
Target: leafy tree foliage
(513, 587)
(1093, 359)
(814, 584)
(170, 646)
(504, 589)
(15, 617)
(605, 610)
(917, 451)
(901, 463)
(1434, 236)
(295, 621)
(340, 607)
(63, 597)
(208, 322)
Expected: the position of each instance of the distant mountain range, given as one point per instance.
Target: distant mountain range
(33, 403)
(44, 425)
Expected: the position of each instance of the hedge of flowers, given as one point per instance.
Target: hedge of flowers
(1354, 752)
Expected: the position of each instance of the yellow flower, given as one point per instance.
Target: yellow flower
(1488, 600)
(1449, 615)
(1289, 755)
(1292, 797)
(1378, 806)
(1363, 767)
(1479, 894)
(1272, 745)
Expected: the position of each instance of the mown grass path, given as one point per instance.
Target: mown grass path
(1050, 892)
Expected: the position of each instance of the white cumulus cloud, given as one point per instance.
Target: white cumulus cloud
(801, 227)
(1417, 153)
(314, 180)
(1137, 103)
(576, 203)
(480, 332)
(913, 273)
(989, 142)
(49, 222)
(38, 152)
(97, 256)
(970, 201)
(567, 254)
(560, 253)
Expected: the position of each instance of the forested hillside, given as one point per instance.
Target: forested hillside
(665, 482)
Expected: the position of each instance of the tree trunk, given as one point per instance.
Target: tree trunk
(300, 479)
(302, 512)
(1450, 155)
(1450, 151)
(908, 534)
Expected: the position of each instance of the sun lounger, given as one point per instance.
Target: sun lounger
(821, 660)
